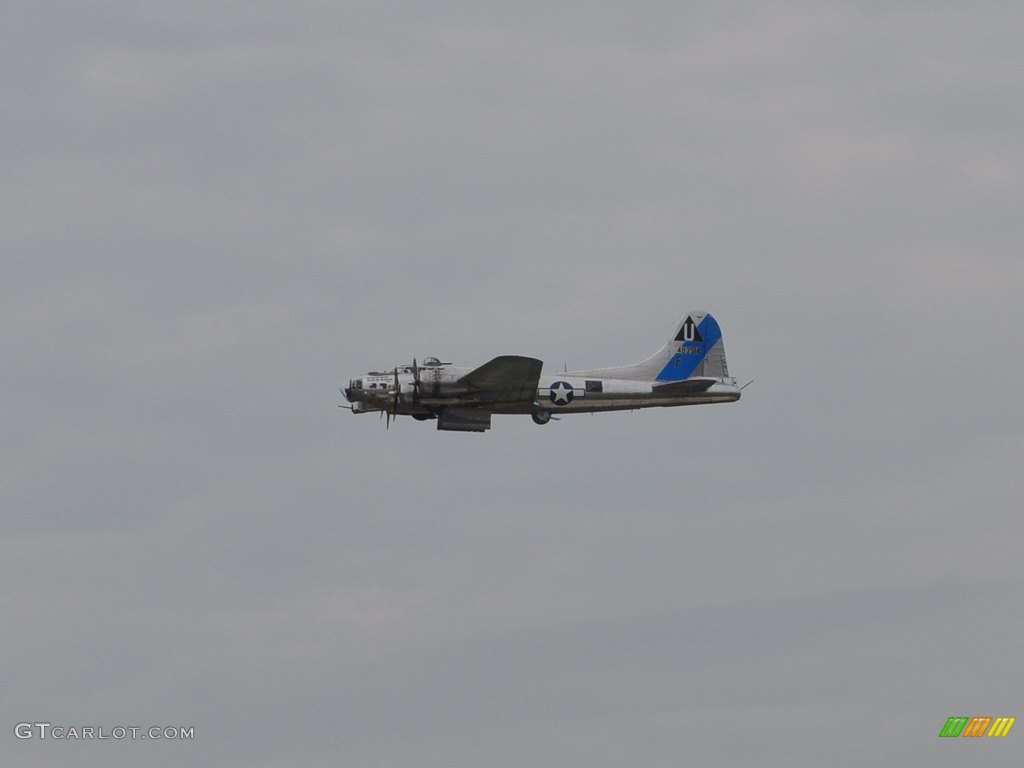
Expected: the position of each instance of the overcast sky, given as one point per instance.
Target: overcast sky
(213, 214)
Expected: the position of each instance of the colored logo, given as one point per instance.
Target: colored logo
(689, 332)
(561, 393)
(976, 727)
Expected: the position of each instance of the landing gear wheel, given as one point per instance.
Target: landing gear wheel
(540, 416)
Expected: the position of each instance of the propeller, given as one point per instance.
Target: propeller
(394, 405)
(393, 411)
(346, 407)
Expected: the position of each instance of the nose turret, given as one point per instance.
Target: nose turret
(356, 395)
(354, 391)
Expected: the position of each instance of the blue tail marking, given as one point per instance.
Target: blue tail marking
(695, 341)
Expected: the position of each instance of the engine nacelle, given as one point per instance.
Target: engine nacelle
(464, 420)
(437, 383)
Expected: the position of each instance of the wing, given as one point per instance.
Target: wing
(508, 378)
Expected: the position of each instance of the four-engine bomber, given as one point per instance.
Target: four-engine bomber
(690, 369)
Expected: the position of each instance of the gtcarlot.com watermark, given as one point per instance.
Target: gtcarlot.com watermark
(48, 731)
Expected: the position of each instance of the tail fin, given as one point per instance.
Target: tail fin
(696, 350)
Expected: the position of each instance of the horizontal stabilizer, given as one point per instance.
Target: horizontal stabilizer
(696, 384)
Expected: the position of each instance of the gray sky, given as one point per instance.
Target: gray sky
(214, 214)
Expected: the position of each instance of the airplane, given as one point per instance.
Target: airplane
(689, 370)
